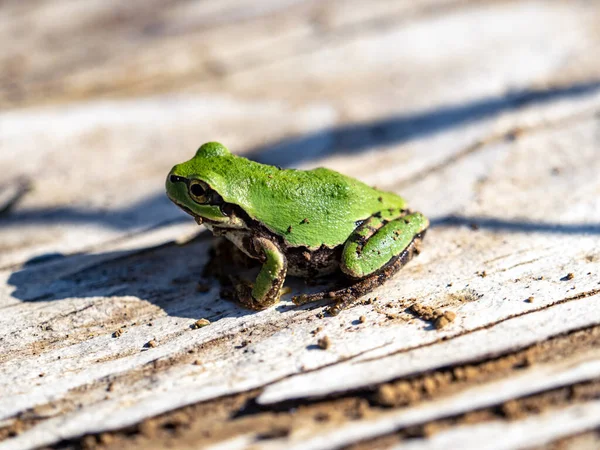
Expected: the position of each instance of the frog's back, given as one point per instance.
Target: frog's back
(315, 207)
(307, 208)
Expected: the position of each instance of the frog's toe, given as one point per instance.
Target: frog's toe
(343, 302)
(303, 299)
(342, 298)
(243, 294)
(299, 299)
(285, 290)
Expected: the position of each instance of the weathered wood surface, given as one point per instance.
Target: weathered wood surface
(485, 115)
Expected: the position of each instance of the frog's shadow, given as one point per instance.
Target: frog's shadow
(168, 276)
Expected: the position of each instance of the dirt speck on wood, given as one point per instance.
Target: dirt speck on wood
(446, 318)
(117, 333)
(200, 323)
(438, 318)
(465, 296)
(324, 343)
(316, 331)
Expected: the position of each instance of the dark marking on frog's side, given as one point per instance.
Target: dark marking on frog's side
(320, 262)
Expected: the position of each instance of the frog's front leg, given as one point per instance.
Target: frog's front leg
(267, 286)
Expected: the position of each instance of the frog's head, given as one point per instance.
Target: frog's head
(190, 185)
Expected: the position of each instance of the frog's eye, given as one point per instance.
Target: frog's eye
(198, 192)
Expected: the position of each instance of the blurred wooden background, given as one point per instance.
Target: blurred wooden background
(484, 114)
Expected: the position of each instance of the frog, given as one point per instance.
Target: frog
(304, 223)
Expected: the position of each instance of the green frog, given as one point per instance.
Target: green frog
(306, 223)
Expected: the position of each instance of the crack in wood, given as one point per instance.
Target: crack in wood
(511, 411)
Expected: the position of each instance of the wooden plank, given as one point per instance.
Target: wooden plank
(493, 135)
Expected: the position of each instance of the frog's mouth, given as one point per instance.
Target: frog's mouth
(185, 208)
(197, 218)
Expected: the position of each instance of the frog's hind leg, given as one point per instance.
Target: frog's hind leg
(380, 247)
(382, 238)
(347, 296)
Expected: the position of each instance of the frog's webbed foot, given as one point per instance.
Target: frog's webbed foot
(345, 297)
(242, 293)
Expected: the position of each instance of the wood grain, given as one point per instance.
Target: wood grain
(485, 115)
